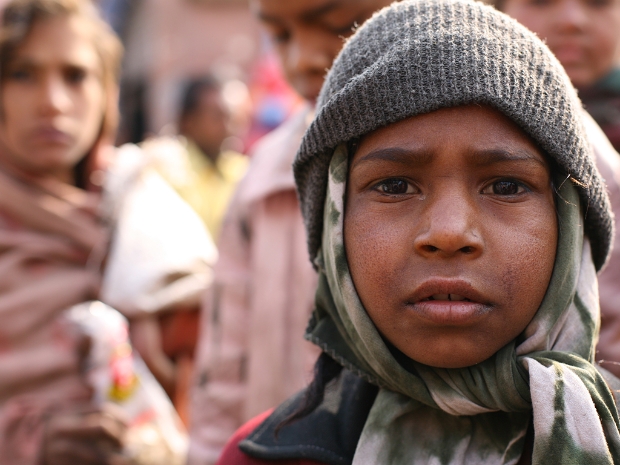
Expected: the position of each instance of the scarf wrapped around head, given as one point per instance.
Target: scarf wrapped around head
(477, 414)
(415, 57)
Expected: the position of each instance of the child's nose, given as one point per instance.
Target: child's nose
(54, 96)
(450, 227)
(572, 15)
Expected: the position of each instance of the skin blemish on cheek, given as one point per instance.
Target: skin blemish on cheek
(509, 280)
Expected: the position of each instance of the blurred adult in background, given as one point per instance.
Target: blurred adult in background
(81, 223)
(197, 165)
(584, 36)
(251, 354)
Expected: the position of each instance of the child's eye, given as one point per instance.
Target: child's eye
(599, 3)
(504, 187)
(282, 38)
(278, 34)
(75, 75)
(345, 30)
(20, 75)
(394, 186)
(541, 3)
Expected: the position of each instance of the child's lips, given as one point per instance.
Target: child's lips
(569, 53)
(450, 313)
(452, 297)
(49, 134)
(448, 302)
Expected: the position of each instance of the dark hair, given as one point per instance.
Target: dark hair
(192, 90)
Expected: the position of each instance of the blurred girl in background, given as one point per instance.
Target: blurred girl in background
(81, 222)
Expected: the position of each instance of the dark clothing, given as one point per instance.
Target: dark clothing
(602, 101)
(232, 455)
(329, 435)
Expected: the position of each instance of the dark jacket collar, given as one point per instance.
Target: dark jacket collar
(329, 434)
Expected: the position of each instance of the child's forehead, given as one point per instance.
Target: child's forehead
(478, 127)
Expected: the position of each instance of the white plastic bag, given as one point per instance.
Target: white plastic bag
(118, 375)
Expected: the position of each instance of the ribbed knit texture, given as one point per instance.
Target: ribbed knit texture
(423, 55)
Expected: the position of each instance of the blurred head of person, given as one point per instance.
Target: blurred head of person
(59, 66)
(583, 34)
(308, 34)
(204, 117)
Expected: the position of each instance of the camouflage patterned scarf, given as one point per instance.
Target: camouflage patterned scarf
(478, 414)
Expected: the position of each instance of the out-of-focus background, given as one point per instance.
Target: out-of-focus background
(169, 42)
(206, 287)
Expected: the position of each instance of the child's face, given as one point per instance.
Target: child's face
(583, 34)
(450, 233)
(308, 34)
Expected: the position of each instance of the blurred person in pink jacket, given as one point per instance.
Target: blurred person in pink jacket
(82, 223)
(252, 354)
(584, 37)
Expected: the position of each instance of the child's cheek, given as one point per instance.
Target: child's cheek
(378, 243)
(525, 248)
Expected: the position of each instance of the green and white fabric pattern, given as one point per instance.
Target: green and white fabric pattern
(478, 414)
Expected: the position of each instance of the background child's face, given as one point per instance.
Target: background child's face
(450, 233)
(52, 98)
(308, 34)
(207, 125)
(583, 34)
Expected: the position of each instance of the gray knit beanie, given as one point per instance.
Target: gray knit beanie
(417, 56)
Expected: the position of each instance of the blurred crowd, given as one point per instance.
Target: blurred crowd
(154, 276)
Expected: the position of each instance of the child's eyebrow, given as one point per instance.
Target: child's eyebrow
(484, 157)
(495, 156)
(35, 64)
(322, 10)
(396, 155)
(22, 62)
(309, 15)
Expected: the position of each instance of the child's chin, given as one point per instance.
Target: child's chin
(452, 358)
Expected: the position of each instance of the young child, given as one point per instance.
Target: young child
(583, 36)
(457, 221)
